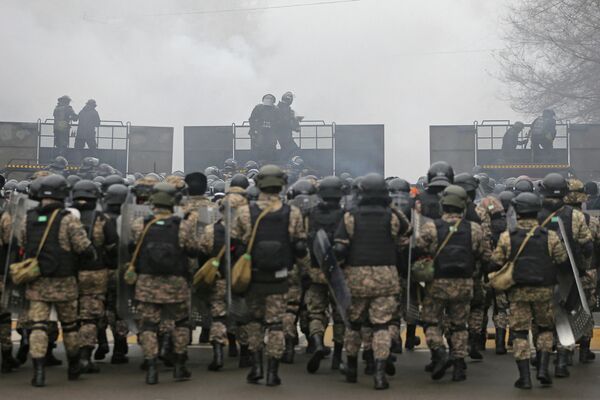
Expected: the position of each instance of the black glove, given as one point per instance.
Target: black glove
(340, 250)
(300, 248)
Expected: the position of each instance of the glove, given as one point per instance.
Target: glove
(300, 249)
(340, 250)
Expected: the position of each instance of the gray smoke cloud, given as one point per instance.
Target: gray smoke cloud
(406, 64)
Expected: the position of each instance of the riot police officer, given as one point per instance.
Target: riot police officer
(63, 116)
(263, 129)
(439, 176)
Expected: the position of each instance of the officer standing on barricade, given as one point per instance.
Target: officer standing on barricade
(327, 215)
(288, 124)
(63, 116)
(456, 245)
(554, 187)
(589, 277)
(537, 254)
(161, 275)
(439, 176)
(279, 241)
(263, 129)
(57, 285)
(92, 275)
(89, 120)
(367, 241)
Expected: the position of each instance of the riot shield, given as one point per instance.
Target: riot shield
(305, 202)
(13, 296)
(571, 312)
(336, 281)
(402, 202)
(412, 308)
(125, 293)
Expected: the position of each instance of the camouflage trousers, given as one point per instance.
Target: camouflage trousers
(378, 311)
(318, 301)
(500, 310)
(448, 301)
(294, 298)
(266, 313)
(150, 317)
(92, 298)
(218, 312)
(588, 281)
(5, 321)
(478, 307)
(111, 318)
(528, 306)
(39, 313)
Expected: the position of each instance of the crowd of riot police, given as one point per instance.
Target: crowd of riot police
(131, 255)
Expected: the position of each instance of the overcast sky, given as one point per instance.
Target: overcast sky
(406, 64)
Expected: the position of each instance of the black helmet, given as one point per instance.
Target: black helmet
(591, 188)
(112, 180)
(330, 188)
(440, 174)
(163, 195)
(105, 170)
(90, 162)
(116, 194)
(212, 170)
(398, 185)
(510, 183)
(251, 165)
(73, 179)
(270, 176)
(499, 188)
(252, 193)
(302, 186)
(64, 99)
(467, 181)
(527, 203)
(522, 186)
(230, 164)
(506, 198)
(239, 180)
(197, 183)
(373, 185)
(218, 186)
(23, 187)
(34, 188)
(85, 189)
(554, 186)
(54, 187)
(455, 196)
(59, 163)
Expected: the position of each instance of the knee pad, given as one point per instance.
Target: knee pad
(148, 326)
(521, 334)
(184, 323)
(69, 327)
(457, 328)
(40, 326)
(275, 327)
(380, 327)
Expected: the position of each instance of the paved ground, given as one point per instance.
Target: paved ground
(491, 379)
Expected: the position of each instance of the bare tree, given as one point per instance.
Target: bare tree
(552, 58)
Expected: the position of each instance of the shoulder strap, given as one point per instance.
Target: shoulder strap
(138, 247)
(47, 232)
(529, 235)
(453, 229)
(548, 218)
(255, 228)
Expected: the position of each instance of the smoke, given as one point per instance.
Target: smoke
(405, 64)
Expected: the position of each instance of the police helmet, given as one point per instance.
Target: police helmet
(99, 179)
(397, 185)
(554, 185)
(23, 187)
(270, 176)
(252, 193)
(85, 189)
(54, 187)
(91, 102)
(116, 194)
(73, 179)
(373, 185)
(212, 170)
(239, 180)
(522, 186)
(455, 196)
(90, 162)
(230, 164)
(218, 186)
(302, 186)
(519, 125)
(440, 174)
(467, 181)
(527, 203)
(506, 198)
(64, 99)
(105, 170)
(345, 175)
(112, 180)
(330, 187)
(251, 165)
(591, 188)
(576, 193)
(287, 97)
(59, 163)
(163, 195)
(197, 183)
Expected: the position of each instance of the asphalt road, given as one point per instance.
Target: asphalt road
(491, 379)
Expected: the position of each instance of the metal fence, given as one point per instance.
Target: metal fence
(313, 135)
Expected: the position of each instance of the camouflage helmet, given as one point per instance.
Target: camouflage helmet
(163, 195)
(270, 176)
(454, 196)
(576, 193)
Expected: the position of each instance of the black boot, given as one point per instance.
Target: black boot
(310, 347)
(50, 360)
(217, 362)
(180, 372)
(459, 372)
(429, 367)
(511, 337)
(543, 374)
(245, 359)
(412, 340)
(87, 366)
(351, 369)
(561, 370)
(165, 353)
(390, 368)
(273, 372)
(119, 351)
(256, 371)
(315, 361)
(570, 358)
(584, 350)
(474, 343)
(8, 362)
(500, 341)
(289, 352)
(23, 346)
(396, 347)
(524, 381)
(74, 368)
(39, 375)
(103, 348)
(232, 350)
(379, 377)
(151, 372)
(440, 364)
(369, 358)
(336, 360)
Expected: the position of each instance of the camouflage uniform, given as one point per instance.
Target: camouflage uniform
(266, 310)
(528, 303)
(5, 317)
(62, 293)
(450, 296)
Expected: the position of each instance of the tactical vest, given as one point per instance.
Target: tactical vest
(88, 220)
(160, 254)
(534, 267)
(566, 215)
(430, 205)
(325, 218)
(372, 243)
(54, 261)
(456, 259)
(218, 243)
(498, 225)
(272, 253)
